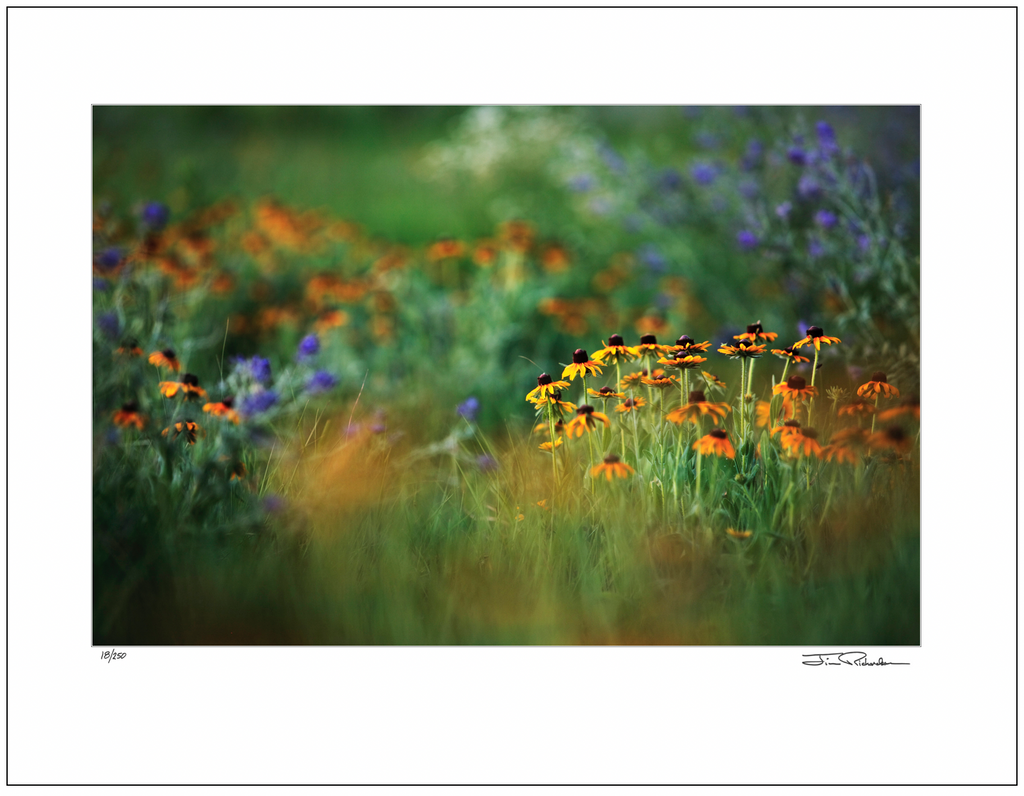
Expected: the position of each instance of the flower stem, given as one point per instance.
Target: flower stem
(618, 386)
(814, 372)
(554, 468)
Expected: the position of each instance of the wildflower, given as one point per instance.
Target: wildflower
(469, 409)
(649, 345)
(632, 379)
(581, 366)
(893, 438)
(762, 413)
(516, 235)
(746, 239)
(128, 415)
(742, 349)
(909, 406)
(581, 183)
(783, 210)
(845, 445)
(256, 368)
(611, 466)
(696, 408)
(755, 332)
(554, 257)
(224, 408)
(188, 387)
(786, 429)
(585, 421)
(109, 324)
(155, 215)
(547, 446)
(545, 387)
(486, 463)
(129, 348)
(237, 469)
(797, 156)
(682, 361)
(485, 253)
(795, 387)
(100, 284)
(308, 347)
(878, 386)
(801, 442)
(858, 407)
(606, 392)
(558, 406)
(807, 187)
(739, 534)
(713, 380)
(165, 359)
(716, 442)
(816, 335)
(825, 219)
(826, 138)
(109, 259)
(630, 405)
(703, 174)
(190, 429)
(686, 344)
(446, 248)
(789, 354)
(659, 379)
(616, 351)
(330, 319)
(545, 428)
(258, 402)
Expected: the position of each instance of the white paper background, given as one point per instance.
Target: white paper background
(520, 715)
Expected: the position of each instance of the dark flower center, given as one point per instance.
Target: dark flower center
(718, 434)
(556, 397)
(611, 458)
(168, 353)
(579, 356)
(796, 382)
(684, 339)
(585, 409)
(697, 397)
(131, 407)
(616, 340)
(131, 342)
(755, 328)
(895, 433)
(810, 432)
(629, 402)
(791, 424)
(190, 379)
(878, 376)
(789, 350)
(543, 379)
(229, 401)
(643, 372)
(606, 391)
(648, 339)
(815, 331)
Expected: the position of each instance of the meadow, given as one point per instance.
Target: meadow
(506, 376)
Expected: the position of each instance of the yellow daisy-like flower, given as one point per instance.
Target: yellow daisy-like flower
(892, 438)
(686, 343)
(188, 387)
(755, 332)
(682, 361)
(555, 401)
(581, 366)
(545, 386)
(446, 248)
(224, 408)
(128, 415)
(547, 446)
(816, 335)
(795, 388)
(633, 379)
(649, 345)
(858, 407)
(697, 408)
(611, 467)
(846, 445)
(606, 392)
(801, 442)
(742, 349)
(789, 353)
(713, 381)
(659, 379)
(190, 429)
(717, 443)
(586, 421)
(878, 386)
(630, 405)
(165, 359)
(615, 352)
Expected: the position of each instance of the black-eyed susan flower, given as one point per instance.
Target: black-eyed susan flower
(857, 407)
(817, 336)
(762, 414)
(755, 333)
(795, 388)
(682, 361)
(739, 534)
(787, 429)
(606, 393)
(165, 359)
(547, 446)
(696, 408)
(649, 346)
(615, 352)
(445, 248)
(801, 442)
(909, 407)
(188, 387)
(558, 406)
(585, 422)
(130, 348)
(545, 386)
(545, 428)
(581, 366)
(224, 408)
(716, 442)
(659, 379)
(878, 387)
(846, 445)
(713, 381)
(128, 415)
(611, 467)
(633, 379)
(742, 349)
(630, 405)
(789, 354)
(190, 429)
(893, 438)
(687, 344)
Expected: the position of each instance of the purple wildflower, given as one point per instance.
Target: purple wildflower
(309, 346)
(797, 156)
(273, 504)
(703, 173)
(109, 324)
(109, 258)
(746, 239)
(486, 463)
(100, 284)
(783, 210)
(155, 215)
(321, 381)
(256, 368)
(826, 139)
(748, 189)
(807, 187)
(752, 157)
(652, 258)
(469, 408)
(815, 249)
(581, 183)
(258, 402)
(825, 219)
(612, 159)
(864, 242)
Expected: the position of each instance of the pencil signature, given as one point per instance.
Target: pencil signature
(847, 658)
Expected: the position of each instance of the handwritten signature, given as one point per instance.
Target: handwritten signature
(847, 658)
